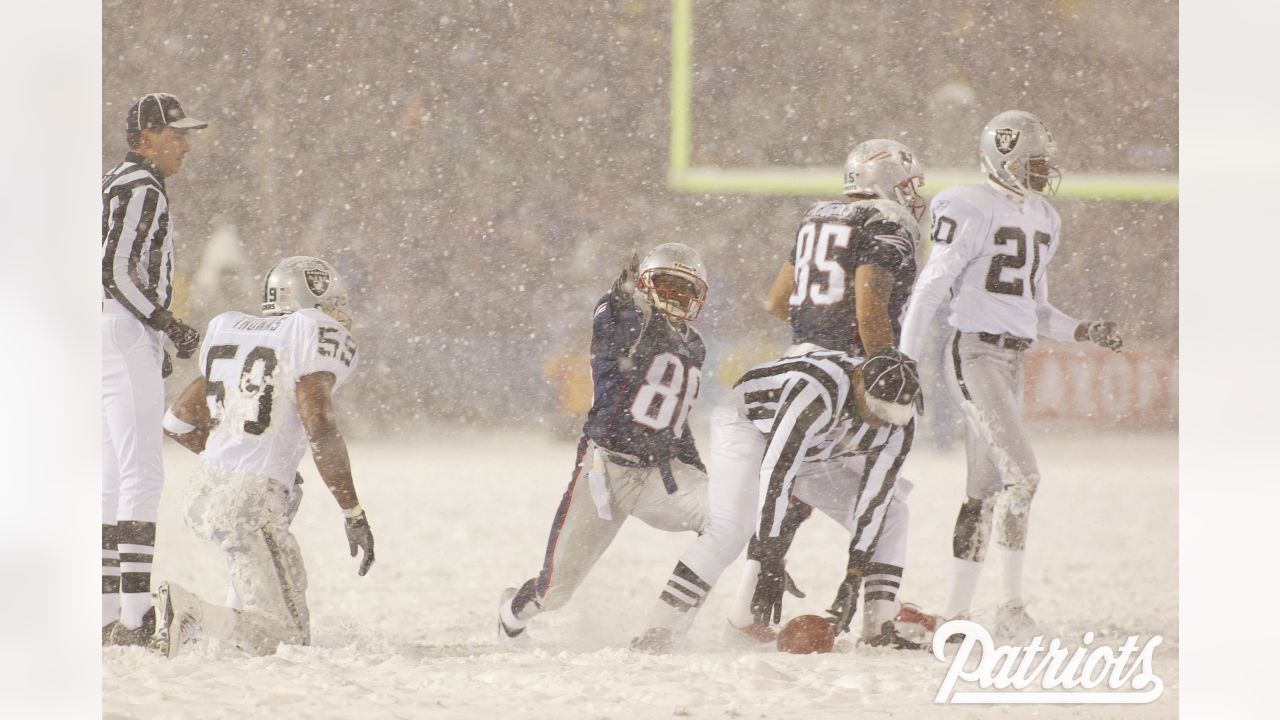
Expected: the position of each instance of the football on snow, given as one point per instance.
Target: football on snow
(807, 634)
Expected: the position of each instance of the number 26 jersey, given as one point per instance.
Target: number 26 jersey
(251, 367)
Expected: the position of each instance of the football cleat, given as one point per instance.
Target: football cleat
(753, 633)
(141, 636)
(890, 637)
(179, 618)
(1013, 621)
(517, 637)
(656, 641)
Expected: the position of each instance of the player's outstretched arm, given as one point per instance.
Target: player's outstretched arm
(187, 421)
(315, 409)
(778, 302)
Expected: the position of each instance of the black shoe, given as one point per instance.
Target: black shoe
(889, 637)
(141, 636)
(656, 641)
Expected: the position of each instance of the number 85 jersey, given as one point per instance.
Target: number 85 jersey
(251, 367)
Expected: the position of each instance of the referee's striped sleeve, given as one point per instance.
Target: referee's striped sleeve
(879, 477)
(131, 224)
(803, 410)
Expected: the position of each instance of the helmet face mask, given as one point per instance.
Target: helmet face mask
(1017, 151)
(302, 282)
(673, 279)
(886, 169)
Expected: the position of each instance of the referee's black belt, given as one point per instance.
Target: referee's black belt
(1008, 342)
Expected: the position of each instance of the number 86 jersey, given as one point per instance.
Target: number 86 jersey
(251, 367)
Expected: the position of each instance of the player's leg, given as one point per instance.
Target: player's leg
(1012, 516)
(987, 386)
(883, 578)
(133, 408)
(247, 518)
(737, 448)
(579, 535)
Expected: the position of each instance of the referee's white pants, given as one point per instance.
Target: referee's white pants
(248, 517)
(132, 418)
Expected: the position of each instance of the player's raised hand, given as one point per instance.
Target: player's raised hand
(1105, 333)
(360, 536)
(626, 282)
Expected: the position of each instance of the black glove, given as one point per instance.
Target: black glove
(626, 282)
(360, 536)
(773, 582)
(186, 338)
(1105, 333)
(166, 365)
(846, 603)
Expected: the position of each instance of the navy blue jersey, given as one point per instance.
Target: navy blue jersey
(834, 239)
(647, 372)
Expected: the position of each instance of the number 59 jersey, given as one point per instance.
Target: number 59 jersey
(251, 367)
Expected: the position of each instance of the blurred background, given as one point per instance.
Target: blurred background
(481, 171)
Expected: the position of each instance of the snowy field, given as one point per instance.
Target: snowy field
(458, 517)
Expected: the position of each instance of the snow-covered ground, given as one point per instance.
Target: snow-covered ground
(458, 517)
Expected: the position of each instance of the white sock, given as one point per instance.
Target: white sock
(740, 609)
(964, 582)
(1012, 562)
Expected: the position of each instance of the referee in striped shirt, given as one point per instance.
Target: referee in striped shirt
(137, 288)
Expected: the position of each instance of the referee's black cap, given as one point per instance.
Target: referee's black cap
(160, 110)
(892, 384)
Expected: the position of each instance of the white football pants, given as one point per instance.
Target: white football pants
(248, 517)
(600, 497)
(986, 383)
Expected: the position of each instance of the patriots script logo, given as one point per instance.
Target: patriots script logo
(901, 244)
(1006, 140)
(317, 281)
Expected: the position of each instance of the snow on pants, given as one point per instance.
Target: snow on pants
(986, 383)
(247, 517)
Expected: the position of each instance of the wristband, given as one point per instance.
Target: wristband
(353, 511)
(176, 425)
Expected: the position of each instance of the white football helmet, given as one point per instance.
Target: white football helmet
(674, 280)
(306, 282)
(1017, 151)
(887, 169)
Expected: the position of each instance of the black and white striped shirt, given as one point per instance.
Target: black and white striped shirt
(803, 404)
(137, 239)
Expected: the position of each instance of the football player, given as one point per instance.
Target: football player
(820, 425)
(637, 455)
(844, 287)
(265, 394)
(992, 245)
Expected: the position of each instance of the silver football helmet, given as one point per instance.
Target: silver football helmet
(674, 280)
(887, 169)
(1017, 151)
(306, 282)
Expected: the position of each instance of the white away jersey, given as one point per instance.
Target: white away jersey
(251, 367)
(991, 253)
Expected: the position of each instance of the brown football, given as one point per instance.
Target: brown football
(807, 634)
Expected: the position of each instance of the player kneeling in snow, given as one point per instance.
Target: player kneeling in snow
(637, 455)
(266, 390)
(819, 425)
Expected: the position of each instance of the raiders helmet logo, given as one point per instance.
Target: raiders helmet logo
(1006, 140)
(317, 281)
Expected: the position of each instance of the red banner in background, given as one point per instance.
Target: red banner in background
(1087, 385)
